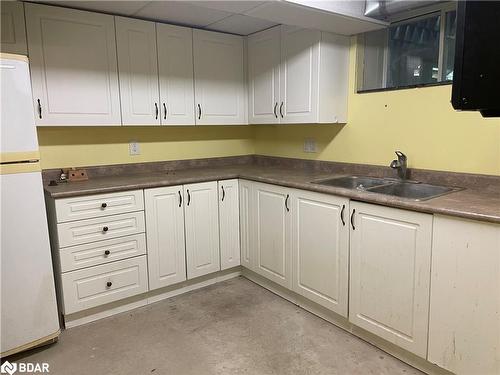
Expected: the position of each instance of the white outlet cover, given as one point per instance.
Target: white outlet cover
(134, 148)
(309, 145)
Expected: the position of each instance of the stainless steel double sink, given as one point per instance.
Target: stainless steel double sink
(413, 190)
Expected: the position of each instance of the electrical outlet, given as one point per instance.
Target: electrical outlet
(309, 145)
(133, 148)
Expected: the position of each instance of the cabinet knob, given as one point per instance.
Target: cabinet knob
(108, 284)
(105, 229)
(104, 205)
(107, 252)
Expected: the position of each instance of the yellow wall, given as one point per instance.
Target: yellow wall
(420, 122)
(83, 146)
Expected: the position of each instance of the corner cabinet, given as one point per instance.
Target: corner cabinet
(229, 223)
(202, 229)
(390, 274)
(165, 236)
(297, 76)
(73, 66)
(219, 78)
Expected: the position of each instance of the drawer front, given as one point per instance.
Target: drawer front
(91, 206)
(91, 230)
(101, 252)
(103, 284)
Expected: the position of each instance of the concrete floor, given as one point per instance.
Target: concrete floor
(234, 327)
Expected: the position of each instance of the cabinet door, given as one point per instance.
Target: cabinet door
(264, 56)
(137, 67)
(247, 210)
(219, 78)
(299, 75)
(13, 35)
(73, 66)
(175, 67)
(165, 236)
(202, 229)
(321, 249)
(390, 274)
(464, 326)
(229, 221)
(273, 233)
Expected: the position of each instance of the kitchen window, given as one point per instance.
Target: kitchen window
(410, 53)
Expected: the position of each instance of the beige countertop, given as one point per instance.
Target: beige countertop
(478, 203)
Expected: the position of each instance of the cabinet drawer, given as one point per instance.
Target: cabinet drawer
(90, 230)
(91, 206)
(103, 284)
(95, 253)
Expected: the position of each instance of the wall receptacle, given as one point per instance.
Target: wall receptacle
(133, 148)
(309, 145)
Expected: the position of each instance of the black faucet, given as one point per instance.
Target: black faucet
(400, 165)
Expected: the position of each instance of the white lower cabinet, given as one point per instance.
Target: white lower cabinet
(273, 224)
(321, 249)
(165, 236)
(246, 197)
(229, 224)
(390, 274)
(464, 327)
(94, 286)
(202, 229)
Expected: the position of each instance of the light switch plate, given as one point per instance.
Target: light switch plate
(134, 148)
(309, 145)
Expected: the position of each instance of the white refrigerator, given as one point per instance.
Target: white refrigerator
(28, 306)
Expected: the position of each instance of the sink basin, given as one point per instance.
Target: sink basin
(353, 182)
(415, 191)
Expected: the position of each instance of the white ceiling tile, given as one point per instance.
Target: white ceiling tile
(180, 12)
(238, 7)
(240, 24)
(124, 8)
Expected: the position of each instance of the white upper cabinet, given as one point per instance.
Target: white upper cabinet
(219, 78)
(299, 75)
(165, 236)
(321, 249)
(229, 222)
(306, 81)
(175, 69)
(264, 58)
(13, 34)
(73, 66)
(273, 224)
(202, 228)
(137, 67)
(390, 274)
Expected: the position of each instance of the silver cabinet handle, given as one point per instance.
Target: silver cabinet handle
(286, 202)
(352, 219)
(275, 107)
(281, 109)
(199, 112)
(342, 215)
